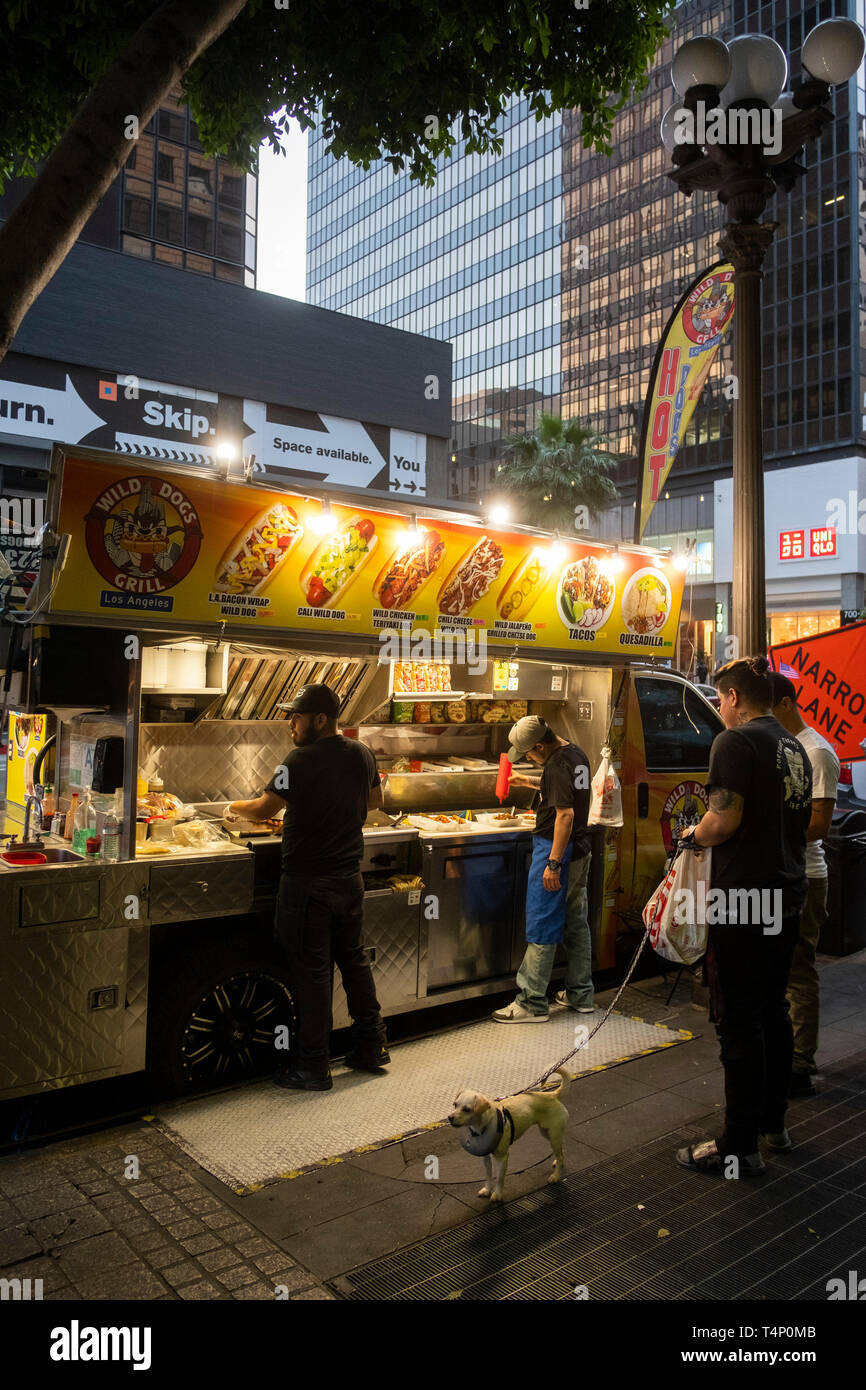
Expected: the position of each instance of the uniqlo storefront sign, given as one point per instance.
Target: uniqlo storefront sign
(822, 544)
(792, 545)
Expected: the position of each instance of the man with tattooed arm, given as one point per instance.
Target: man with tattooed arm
(760, 799)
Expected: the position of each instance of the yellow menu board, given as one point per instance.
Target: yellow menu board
(27, 736)
(150, 542)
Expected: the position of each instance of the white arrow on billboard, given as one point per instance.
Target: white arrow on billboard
(343, 452)
(39, 412)
(171, 450)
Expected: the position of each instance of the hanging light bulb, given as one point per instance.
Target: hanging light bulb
(324, 523)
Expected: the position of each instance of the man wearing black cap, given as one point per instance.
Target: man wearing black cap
(326, 783)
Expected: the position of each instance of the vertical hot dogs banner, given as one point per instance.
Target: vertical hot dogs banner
(687, 350)
(148, 541)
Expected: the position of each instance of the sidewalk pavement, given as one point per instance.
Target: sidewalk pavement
(75, 1214)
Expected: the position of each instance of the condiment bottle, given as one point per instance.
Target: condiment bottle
(49, 806)
(69, 825)
(81, 825)
(111, 830)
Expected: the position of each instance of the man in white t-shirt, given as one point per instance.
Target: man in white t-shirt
(803, 980)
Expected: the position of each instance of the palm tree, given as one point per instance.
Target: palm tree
(557, 468)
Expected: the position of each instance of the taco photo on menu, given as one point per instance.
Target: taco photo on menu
(335, 563)
(259, 550)
(471, 577)
(408, 570)
(586, 593)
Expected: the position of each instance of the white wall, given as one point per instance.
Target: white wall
(800, 499)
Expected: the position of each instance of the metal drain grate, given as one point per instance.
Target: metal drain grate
(781, 1237)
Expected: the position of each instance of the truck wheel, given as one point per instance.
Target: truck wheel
(216, 1026)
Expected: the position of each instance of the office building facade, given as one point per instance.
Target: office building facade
(173, 204)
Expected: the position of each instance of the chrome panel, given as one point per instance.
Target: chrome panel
(49, 1034)
(135, 1014)
(215, 760)
(70, 899)
(391, 937)
(211, 886)
(476, 883)
(67, 896)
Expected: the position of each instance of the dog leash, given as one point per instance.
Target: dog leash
(611, 1006)
(606, 1015)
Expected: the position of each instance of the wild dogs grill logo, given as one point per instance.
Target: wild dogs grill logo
(143, 536)
(708, 309)
(684, 807)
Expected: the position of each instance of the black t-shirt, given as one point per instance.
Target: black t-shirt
(565, 786)
(325, 787)
(770, 770)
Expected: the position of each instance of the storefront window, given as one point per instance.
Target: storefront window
(793, 627)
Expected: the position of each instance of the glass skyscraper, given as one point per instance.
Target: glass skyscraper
(476, 260)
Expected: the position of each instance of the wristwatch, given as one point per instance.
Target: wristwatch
(554, 865)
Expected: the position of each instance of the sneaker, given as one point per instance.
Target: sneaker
(293, 1079)
(562, 998)
(801, 1085)
(515, 1013)
(705, 1158)
(779, 1143)
(368, 1059)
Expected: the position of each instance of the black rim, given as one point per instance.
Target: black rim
(230, 1033)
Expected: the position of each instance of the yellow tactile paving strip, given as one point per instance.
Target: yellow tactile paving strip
(261, 1134)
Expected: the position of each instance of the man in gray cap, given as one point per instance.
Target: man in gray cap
(556, 891)
(326, 784)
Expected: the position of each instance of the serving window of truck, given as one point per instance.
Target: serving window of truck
(186, 611)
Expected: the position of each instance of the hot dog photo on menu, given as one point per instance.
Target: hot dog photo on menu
(523, 586)
(335, 563)
(408, 570)
(471, 577)
(259, 550)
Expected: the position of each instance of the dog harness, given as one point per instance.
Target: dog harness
(483, 1141)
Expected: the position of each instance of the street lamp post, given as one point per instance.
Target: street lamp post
(732, 132)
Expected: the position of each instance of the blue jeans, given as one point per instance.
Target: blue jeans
(533, 977)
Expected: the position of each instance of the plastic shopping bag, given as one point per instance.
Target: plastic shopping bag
(676, 912)
(606, 804)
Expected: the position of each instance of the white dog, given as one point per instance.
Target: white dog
(493, 1128)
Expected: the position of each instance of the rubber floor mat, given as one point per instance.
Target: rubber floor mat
(259, 1134)
(637, 1226)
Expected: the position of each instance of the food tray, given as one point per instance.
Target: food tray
(256, 833)
(519, 822)
(436, 827)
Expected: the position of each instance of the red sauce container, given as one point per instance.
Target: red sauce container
(504, 776)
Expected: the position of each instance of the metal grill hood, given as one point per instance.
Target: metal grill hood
(259, 680)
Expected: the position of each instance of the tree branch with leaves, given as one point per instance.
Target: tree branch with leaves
(402, 80)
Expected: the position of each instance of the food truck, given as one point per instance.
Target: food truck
(175, 611)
